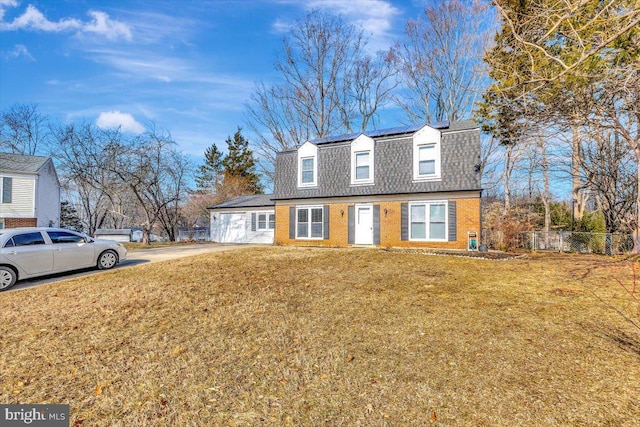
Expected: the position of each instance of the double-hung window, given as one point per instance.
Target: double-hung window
(309, 223)
(426, 160)
(266, 221)
(363, 166)
(428, 221)
(362, 160)
(307, 166)
(262, 221)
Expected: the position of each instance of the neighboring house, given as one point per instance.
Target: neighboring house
(414, 186)
(244, 219)
(122, 235)
(29, 192)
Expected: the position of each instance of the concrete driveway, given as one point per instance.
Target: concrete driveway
(138, 257)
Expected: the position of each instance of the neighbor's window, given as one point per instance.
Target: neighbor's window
(428, 221)
(7, 189)
(309, 223)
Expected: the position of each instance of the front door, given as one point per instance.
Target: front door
(364, 225)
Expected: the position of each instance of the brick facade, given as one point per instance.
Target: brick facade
(19, 222)
(467, 219)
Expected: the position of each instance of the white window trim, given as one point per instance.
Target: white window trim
(427, 213)
(266, 214)
(306, 151)
(309, 208)
(362, 144)
(427, 136)
(266, 221)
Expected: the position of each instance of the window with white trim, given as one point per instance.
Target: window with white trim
(426, 160)
(362, 156)
(428, 221)
(308, 165)
(272, 221)
(262, 221)
(309, 223)
(426, 155)
(363, 166)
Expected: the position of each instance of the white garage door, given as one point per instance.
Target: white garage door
(232, 228)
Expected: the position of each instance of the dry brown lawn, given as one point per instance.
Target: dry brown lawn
(310, 337)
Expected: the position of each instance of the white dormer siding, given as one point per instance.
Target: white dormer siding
(308, 165)
(427, 161)
(362, 160)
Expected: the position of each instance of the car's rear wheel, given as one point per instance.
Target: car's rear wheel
(107, 260)
(8, 278)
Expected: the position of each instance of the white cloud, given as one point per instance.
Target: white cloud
(103, 25)
(6, 4)
(116, 119)
(32, 19)
(375, 17)
(18, 51)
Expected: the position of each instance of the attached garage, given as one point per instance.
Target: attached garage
(244, 219)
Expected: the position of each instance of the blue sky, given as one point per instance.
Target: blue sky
(186, 66)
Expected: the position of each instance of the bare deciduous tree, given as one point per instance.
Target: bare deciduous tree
(23, 129)
(440, 61)
(327, 84)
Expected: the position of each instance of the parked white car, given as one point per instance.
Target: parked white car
(32, 252)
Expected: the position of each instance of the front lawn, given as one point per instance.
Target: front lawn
(285, 336)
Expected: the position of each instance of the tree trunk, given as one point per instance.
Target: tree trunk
(576, 185)
(508, 168)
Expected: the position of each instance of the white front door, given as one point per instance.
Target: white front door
(364, 225)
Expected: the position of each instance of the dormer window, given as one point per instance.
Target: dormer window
(426, 155)
(307, 168)
(362, 155)
(426, 160)
(308, 165)
(363, 164)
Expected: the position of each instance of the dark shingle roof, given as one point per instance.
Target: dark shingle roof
(253, 201)
(393, 165)
(19, 163)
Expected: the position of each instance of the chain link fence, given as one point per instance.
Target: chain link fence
(561, 241)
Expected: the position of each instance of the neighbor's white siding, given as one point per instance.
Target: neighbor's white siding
(48, 197)
(22, 198)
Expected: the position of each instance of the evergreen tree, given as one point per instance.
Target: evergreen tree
(69, 217)
(209, 173)
(240, 163)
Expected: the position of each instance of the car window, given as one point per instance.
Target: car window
(8, 244)
(25, 239)
(64, 237)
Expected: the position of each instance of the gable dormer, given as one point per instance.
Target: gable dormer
(307, 165)
(362, 160)
(427, 159)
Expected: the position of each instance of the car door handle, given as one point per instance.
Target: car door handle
(12, 253)
(57, 249)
